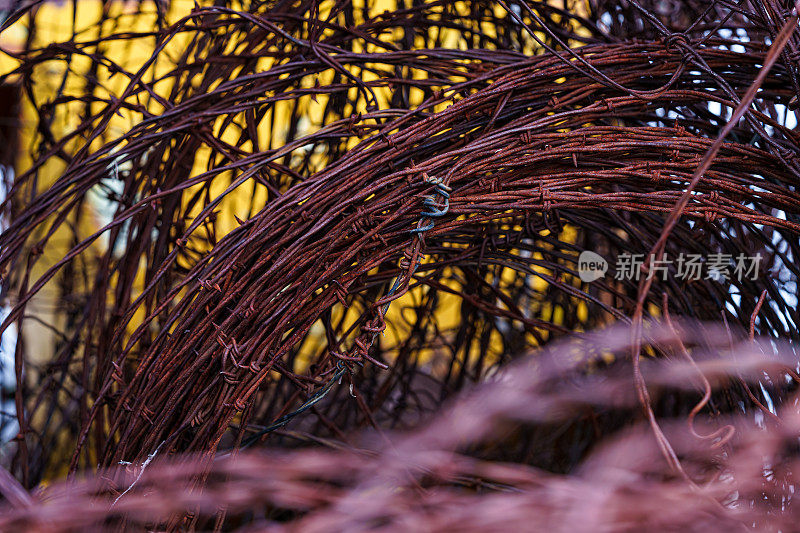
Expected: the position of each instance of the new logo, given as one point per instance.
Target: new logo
(591, 266)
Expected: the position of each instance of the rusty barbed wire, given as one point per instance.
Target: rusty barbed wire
(424, 479)
(321, 127)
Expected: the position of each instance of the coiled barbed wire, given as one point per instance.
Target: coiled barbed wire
(265, 169)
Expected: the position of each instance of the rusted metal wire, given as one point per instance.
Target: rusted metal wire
(532, 133)
(423, 479)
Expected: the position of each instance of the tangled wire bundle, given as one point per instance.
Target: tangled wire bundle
(410, 191)
(423, 480)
